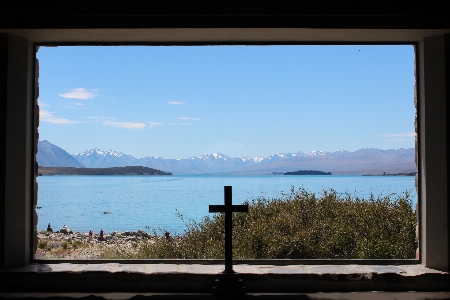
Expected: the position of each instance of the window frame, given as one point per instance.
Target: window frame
(279, 262)
(426, 49)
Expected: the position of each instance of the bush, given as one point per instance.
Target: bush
(42, 244)
(299, 225)
(64, 245)
(75, 244)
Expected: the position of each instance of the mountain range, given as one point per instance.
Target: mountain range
(50, 155)
(363, 162)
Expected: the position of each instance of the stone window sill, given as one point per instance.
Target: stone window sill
(199, 278)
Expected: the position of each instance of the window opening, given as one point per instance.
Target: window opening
(319, 140)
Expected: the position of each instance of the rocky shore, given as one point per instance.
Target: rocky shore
(57, 245)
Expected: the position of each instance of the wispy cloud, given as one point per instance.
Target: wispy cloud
(405, 134)
(178, 124)
(43, 104)
(49, 117)
(100, 118)
(176, 102)
(79, 93)
(399, 137)
(152, 124)
(127, 125)
(188, 119)
(75, 106)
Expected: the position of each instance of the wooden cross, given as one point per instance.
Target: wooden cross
(228, 209)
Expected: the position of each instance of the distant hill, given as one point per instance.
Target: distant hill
(50, 155)
(129, 170)
(360, 162)
(308, 172)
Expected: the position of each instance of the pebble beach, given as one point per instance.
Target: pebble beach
(73, 246)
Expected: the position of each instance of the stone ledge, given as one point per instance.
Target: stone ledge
(198, 278)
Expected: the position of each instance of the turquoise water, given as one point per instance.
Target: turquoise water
(143, 202)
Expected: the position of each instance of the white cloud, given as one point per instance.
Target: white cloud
(42, 104)
(79, 93)
(127, 125)
(405, 134)
(100, 118)
(399, 137)
(188, 119)
(178, 124)
(47, 116)
(76, 106)
(176, 102)
(151, 124)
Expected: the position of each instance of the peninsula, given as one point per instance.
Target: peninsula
(308, 172)
(128, 170)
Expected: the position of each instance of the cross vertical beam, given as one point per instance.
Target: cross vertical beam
(228, 228)
(228, 208)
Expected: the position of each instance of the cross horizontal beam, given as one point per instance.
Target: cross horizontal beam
(225, 208)
(228, 208)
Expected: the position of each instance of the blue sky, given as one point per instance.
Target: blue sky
(184, 101)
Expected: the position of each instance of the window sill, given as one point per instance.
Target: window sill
(199, 278)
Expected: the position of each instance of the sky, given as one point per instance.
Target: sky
(185, 101)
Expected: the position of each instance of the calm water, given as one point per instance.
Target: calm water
(142, 202)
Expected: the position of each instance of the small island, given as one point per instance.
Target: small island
(394, 174)
(308, 172)
(128, 170)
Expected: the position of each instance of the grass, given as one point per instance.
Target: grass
(64, 245)
(58, 248)
(297, 225)
(42, 244)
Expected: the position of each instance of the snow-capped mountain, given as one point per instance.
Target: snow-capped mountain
(362, 161)
(252, 159)
(95, 158)
(50, 155)
(316, 153)
(215, 155)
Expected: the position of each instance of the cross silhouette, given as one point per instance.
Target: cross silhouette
(228, 209)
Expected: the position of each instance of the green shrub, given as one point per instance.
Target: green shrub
(42, 244)
(299, 225)
(64, 245)
(75, 244)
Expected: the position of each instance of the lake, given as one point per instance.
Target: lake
(145, 202)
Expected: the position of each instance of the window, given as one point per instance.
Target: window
(431, 56)
(247, 111)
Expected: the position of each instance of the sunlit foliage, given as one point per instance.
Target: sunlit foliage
(298, 225)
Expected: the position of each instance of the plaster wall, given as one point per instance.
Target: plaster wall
(19, 159)
(433, 153)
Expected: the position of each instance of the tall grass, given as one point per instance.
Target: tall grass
(299, 225)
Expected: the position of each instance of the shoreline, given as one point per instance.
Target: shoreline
(72, 246)
(128, 170)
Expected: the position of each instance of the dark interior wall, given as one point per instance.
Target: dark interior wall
(3, 92)
(223, 14)
(447, 88)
